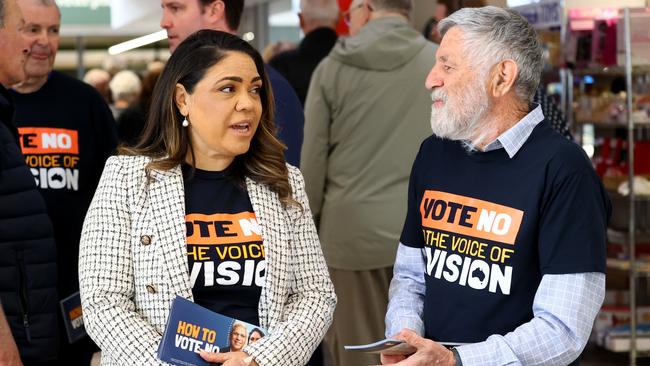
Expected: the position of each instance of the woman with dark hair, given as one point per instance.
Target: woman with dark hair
(255, 335)
(205, 207)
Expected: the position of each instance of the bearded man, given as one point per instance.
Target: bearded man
(503, 248)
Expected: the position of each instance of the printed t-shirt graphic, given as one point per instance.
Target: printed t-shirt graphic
(469, 241)
(52, 154)
(225, 250)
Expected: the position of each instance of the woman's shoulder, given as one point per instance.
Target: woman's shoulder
(127, 161)
(295, 176)
(126, 164)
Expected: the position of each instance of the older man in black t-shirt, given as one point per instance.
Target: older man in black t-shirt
(503, 248)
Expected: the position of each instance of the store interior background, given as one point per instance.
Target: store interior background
(586, 75)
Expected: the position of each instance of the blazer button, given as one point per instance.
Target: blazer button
(145, 239)
(151, 289)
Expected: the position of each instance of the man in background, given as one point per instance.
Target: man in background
(184, 17)
(318, 20)
(362, 131)
(66, 134)
(28, 293)
(99, 79)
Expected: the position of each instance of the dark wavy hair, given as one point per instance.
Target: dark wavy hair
(168, 143)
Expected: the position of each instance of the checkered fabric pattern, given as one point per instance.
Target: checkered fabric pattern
(127, 287)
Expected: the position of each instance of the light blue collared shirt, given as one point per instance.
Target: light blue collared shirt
(514, 138)
(564, 307)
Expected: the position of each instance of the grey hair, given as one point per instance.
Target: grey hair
(402, 7)
(125, 85)
(491, 35)
(48, 2)
(326, 10)
(2, 13)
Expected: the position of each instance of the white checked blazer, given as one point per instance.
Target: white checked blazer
(133, 262)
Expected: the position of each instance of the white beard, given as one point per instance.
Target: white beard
(460, 119)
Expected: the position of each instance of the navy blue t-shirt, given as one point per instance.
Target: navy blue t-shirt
(224, 245)
(491, 226)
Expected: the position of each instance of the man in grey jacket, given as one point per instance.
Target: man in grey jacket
(366, 113)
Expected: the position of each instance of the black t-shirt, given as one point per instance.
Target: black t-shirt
(224, 245)
(492, 226)
(66, 134)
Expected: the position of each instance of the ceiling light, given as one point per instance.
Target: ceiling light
(137, 42)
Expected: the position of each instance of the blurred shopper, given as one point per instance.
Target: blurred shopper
(503, 246)
(125, 89)
(275, 48)
(99, 79)
(208, 153)
(364, 114)
(130, 124)
(318, 19)
(184, 17)
(67, 133)
(28, 273)
(552, 113)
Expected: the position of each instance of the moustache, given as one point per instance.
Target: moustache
(438, 94)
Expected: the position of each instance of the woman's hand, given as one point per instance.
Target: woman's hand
(229, 358)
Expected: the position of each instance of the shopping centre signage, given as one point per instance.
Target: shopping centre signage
(546, 14)
(85, 12)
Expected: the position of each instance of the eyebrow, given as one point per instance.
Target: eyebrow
(445, 59)
(238, 79)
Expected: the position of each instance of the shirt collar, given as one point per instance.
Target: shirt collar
(514, 138)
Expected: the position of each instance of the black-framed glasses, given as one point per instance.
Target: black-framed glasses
(347, 14)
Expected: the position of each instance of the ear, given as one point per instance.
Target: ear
(216, 10)
(504, 75)
(182, 98)
(301, 18)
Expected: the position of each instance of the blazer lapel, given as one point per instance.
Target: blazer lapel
(166, 194)
(272, 218)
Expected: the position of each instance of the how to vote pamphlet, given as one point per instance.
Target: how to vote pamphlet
(388, 346)
(73, 317)
(391, 347)
(192, 328)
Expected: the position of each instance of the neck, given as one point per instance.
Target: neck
(209, 162)
(315, 24)
(31, 84)
(376, 14)
(504, 115)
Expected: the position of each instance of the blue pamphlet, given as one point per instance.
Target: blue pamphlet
(192, 328)
(72, 317)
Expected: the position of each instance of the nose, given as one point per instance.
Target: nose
(433, 80)
(165, 21)
(42, 40)
(245, 102)
(26, 43)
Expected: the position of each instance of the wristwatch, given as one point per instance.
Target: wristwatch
(456, 356)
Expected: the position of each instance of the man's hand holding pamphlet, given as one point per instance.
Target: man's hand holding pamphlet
(192, 328)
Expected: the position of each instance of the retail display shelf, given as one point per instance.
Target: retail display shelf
(642, 265)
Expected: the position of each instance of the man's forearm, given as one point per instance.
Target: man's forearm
(406, 292)
(564, 310)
